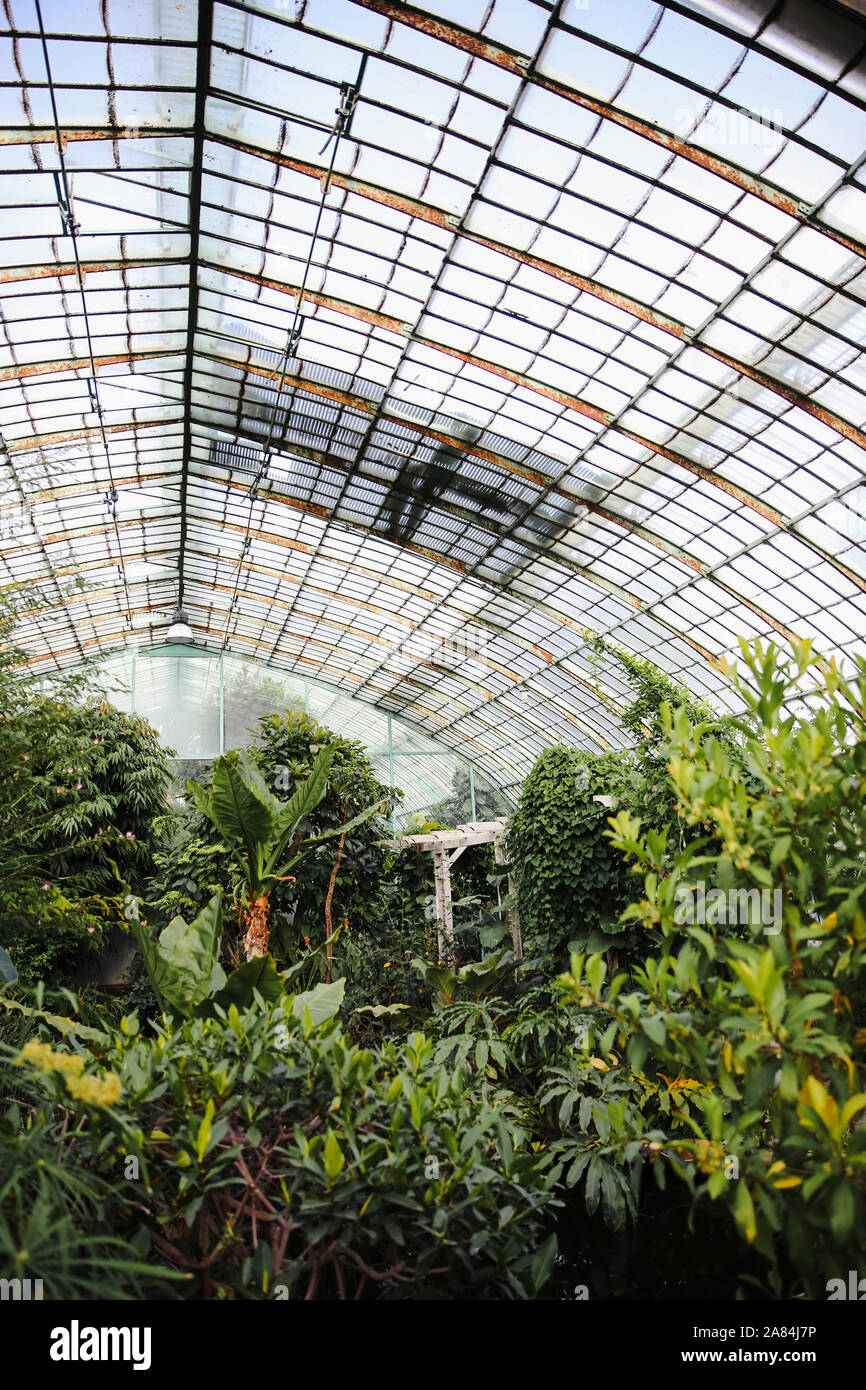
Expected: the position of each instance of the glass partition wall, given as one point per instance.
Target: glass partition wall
(202, 704)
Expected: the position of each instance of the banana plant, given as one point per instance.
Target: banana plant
(264, 835)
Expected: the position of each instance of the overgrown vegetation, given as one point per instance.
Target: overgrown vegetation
(340, 1115)
(81, 788)
(752, 1010)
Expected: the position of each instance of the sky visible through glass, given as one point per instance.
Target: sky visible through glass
(410, 347)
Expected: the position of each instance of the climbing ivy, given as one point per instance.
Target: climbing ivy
(571, 886)
(652, 688)
(572, 889)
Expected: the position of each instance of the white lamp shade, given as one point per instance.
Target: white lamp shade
(180, 630)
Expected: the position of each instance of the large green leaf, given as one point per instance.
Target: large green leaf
(349, 825)
(183, 962)
(436, 977)
(260, 974)
(237, 812)
(481, 975)
(200, 797)
(299, 806)
(254, 781)
(323, 1002)
(66, 1026)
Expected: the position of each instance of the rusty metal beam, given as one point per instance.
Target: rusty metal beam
(285, 543)
(512, 61)
(36, 442)
(753, 607)
(45, 135)
(268, 602)
(415, 208)
(425, 212)
(349, 600)
(681, 460)
(794, 397)
(407, 330)
(80, 364)
(12, 274)
(598, 581)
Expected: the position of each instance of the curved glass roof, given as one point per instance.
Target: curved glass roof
(409, 347)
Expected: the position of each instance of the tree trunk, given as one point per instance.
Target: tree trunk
(256, 939)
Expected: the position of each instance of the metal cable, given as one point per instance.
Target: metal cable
(348, 98)
(64, 203)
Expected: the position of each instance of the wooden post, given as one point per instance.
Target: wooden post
(446, 846)
(444, 914)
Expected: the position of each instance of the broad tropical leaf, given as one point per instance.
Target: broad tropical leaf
(260, 974)
(323, 1002)
(183, 962)
(299, 806)
(237, 812)
(255, 782)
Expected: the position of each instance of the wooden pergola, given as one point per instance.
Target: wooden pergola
(446, 846)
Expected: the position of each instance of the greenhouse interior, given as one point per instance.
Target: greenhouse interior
(433, 677)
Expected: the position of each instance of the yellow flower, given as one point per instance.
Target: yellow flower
(37, 1053)
(387, 963)
(91, 1089)
(46, 1059)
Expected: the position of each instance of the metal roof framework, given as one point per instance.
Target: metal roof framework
(410, 347)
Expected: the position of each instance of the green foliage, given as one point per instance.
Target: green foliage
(285, 748)
(653, 689)
(186, 976)
(370, 1172)
(747, 1037)
(81, 787)
(192, 864)
(183, 962)
(475, 980)
(260, 831)
(60, 1221)
(572, 885)
(256, 826)
(188, 868)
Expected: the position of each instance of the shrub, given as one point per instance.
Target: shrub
(193, 863)
(755, 1028)
(60, 1222)
(274, 1152)
(82, 786)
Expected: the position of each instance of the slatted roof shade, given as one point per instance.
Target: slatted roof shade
(412, 347)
